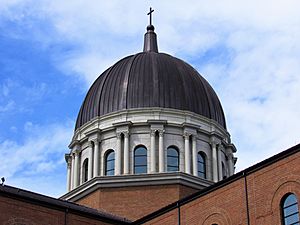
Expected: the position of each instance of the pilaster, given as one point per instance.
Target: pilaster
(161, 153)
(187, 153)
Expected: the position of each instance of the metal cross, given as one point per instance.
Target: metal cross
(150, 13)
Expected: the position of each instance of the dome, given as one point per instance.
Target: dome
(150, 79)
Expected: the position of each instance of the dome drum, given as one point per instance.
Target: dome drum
(156, 130)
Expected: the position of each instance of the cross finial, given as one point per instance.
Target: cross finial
(150, 13)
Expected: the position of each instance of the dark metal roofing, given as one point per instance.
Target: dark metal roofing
(150, 79)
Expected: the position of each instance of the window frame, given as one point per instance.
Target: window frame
(85, 170)
(283, 207)
(172, 156)
(144, 156)
(203, 156)
(106, 171)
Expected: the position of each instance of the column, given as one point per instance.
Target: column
(195, 157)
(220, 164)
(152, 152)
(72, 171)
(126, 152)
(76, 167)
(118, 155)
(230, 164)
(90, 164)
(214, 162)
(161, 153)
(102, 164)
(96, 158)
(187, 154)
(69, 173)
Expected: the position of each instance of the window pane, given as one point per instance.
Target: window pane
(290, 210)
(292, 219)
(172, 152)
(140, 151)
(202, 175)
(291, 199)
(200, 158)
(110, 164)
(171, 168)
(110, 173)
(140, 169)
(172, 159)
(201, 165)
(111, 156)
(140, 160)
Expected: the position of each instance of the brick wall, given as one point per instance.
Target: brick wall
(227, 205)
(135, 202)
(16, 212)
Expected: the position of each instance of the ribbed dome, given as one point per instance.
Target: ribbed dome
(150, 79)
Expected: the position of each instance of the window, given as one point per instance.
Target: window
(201, 165)
(85, 170)
(110, 163)
(172, 159)
(224, 173)
(140, 160)
(290, 210)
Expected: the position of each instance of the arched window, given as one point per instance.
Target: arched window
(201, 165)
(172, 159)
(110, 163)
(224, 173)
(85, 167)
(290, 210)
(140, 160)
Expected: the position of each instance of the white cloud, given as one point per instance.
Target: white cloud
(40, 155)
(7, 107)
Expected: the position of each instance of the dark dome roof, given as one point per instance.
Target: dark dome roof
(150, 79)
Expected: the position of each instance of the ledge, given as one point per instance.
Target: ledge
(135, 180)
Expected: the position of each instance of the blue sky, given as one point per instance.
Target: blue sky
(51, 52)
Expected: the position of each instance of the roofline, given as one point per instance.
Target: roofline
(61, 205)
(284, 154)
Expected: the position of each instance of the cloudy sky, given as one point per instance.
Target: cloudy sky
(51, 52)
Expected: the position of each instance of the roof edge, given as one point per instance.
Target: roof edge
(269, 161)
(57, 204)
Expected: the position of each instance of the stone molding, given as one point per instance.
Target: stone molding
(134, 181)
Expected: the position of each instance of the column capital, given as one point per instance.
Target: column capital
(76, 152)
(68, 158)
(230, 156)
(152, 132)
(161, 133)
(95, 140)
(118, 135)
(186, 135)
(90, 144)
(126, 134)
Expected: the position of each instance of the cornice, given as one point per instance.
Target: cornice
(134, 181)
